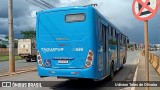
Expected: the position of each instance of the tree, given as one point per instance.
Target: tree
(3, 46)
(130, 46)
(6, 37)
(28, 34)
(15, 43)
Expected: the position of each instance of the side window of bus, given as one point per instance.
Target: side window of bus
(99, 30)
(120, 38)
(127, 41)
(115, 34)
(104, 37)
(109, 32)
(124, 41)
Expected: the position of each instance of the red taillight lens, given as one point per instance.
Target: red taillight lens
(90, 58)
(39, 58)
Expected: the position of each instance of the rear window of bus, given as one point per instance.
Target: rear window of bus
(80, 17)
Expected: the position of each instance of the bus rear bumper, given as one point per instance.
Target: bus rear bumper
(70, 73)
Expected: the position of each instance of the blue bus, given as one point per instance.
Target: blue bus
(78, 42)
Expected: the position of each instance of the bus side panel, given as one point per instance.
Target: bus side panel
(99, 66)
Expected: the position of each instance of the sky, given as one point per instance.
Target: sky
(119, 12)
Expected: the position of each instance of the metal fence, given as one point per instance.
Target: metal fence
(5, 51)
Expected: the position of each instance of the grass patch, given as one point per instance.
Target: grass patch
(6, 58)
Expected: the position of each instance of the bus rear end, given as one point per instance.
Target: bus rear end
(64, 40)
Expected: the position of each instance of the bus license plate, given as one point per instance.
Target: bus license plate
(63, 61)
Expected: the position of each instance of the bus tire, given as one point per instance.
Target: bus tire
(111, 71)
(124, 60)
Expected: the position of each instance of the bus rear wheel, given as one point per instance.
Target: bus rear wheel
(124, 61)
(112, 71)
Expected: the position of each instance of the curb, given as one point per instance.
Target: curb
(19, 72)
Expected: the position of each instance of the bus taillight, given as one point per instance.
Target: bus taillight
(91, 53)
(39, 59)
(37, 53)
(89, 59)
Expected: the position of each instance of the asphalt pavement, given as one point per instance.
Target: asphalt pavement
(19, 65)
(124, 74)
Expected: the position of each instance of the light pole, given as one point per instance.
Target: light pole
(11, 38)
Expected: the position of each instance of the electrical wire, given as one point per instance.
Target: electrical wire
(48, 4)
(35, 4)
(42, 4)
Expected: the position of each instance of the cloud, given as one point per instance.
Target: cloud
(119, 13)
(3, 9)
(18, 5)
(21, 17)
(2, 36)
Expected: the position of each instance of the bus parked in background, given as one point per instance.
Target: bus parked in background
(78, 42)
